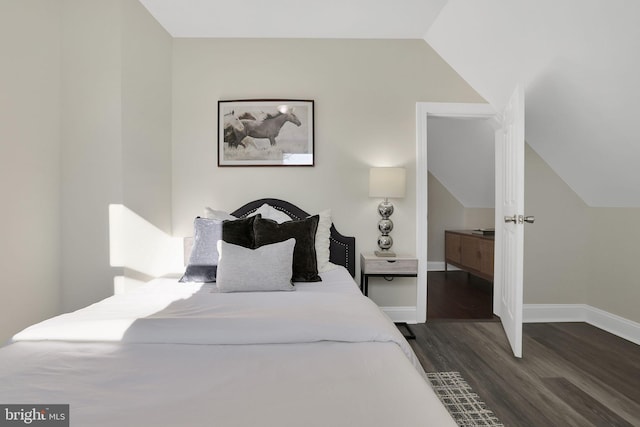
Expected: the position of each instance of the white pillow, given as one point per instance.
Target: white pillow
(218, 215)
(322, 242)
(267, 268)
(269, 212)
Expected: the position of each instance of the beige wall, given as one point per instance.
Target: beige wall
(576, 254)
(447, 213)
(29, 163)
(614, 280)
(479, 218)
(365, 93)
(557, 250)
(115, 134)
(120, 108)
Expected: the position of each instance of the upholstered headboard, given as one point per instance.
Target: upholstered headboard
(342, 249)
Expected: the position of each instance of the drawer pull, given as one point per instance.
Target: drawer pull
(391, 260)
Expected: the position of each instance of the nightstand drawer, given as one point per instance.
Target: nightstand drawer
(398, 265)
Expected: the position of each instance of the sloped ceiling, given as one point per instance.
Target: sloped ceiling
(579, 61)
(462, 157)
(386, 19)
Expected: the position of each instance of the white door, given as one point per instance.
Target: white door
(509, 237)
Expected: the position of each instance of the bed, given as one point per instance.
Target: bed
(188, 354)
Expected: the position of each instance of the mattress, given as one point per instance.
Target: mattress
(173, 354)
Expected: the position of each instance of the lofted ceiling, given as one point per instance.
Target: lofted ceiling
(578, 61)
(357, 19)
(462, 157)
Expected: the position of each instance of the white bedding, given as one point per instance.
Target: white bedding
(171, 354)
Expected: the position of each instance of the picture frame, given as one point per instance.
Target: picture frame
(266, 132)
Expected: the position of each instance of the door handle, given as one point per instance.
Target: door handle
(513, 219)
(519, 219)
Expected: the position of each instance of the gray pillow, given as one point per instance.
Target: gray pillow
(267, 268)
(203, 260)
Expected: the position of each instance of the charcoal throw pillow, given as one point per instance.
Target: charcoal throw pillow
(305, 263)
(240, 232)
(199, 274)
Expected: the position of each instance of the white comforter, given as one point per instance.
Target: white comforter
(176, 355)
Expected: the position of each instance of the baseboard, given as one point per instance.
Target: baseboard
(550, 313)
(542, 313)
(401, 314)
(439, 266)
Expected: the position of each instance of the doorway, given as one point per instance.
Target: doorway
(509, 127)
(424, 111)
(461, 208)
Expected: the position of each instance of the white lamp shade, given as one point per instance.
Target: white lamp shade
(387, 182)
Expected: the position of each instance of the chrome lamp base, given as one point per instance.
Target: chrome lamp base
(385, 225)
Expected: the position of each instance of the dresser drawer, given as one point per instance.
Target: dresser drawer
(470, 252)
(389, 266)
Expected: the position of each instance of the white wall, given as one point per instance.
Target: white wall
(146, 115)
(29, 162)
(365, 93)
(115, 134)
(91, 145)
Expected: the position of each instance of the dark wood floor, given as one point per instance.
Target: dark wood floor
(571, 374)
(458, 295)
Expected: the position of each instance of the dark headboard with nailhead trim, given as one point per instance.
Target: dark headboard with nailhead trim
(342, 249)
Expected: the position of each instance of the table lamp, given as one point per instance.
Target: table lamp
(387, 183)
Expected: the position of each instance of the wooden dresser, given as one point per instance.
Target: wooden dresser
(470, 252)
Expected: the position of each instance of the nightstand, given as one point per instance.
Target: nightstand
(373, 266)
(398, 266)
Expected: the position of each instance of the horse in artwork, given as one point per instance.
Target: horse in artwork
(255, 115)
(230, 119)
(234, 130)
(269, 127)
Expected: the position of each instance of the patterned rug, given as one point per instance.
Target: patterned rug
(463, 404)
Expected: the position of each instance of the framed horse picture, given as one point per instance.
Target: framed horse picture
(265, 132)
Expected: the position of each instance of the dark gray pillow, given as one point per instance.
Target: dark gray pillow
(203, 260)
(305, 263)
(240, 232)
(199, 274)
